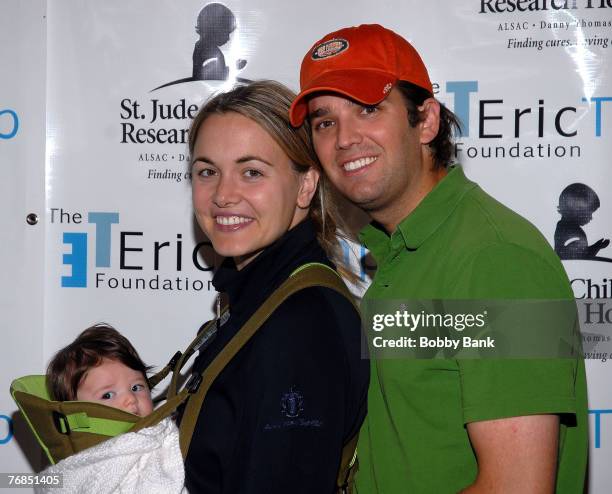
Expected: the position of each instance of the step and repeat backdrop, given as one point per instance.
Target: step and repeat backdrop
(96, 99)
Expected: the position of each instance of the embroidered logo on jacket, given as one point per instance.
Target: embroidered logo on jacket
(292, 409)
(292, 404)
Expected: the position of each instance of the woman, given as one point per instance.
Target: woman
(278, 415)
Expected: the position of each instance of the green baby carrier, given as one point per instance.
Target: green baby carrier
(65, 428)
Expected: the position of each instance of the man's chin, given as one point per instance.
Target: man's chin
(366, 203)
(364, 199)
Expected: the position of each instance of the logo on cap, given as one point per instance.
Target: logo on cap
(329, 48)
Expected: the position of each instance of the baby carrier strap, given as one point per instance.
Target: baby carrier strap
(174, 399)
(65, 428)
(308, 275)
(169, 367)
(195, 345)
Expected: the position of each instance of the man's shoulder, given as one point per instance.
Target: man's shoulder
(502, 222)
(498, 247)
(486, 222)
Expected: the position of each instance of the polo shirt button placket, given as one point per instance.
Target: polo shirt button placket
(384, 275)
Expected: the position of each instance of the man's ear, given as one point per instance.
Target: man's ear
(308, 187)
(430, 123)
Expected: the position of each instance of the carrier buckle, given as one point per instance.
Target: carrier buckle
(61, 423)
(175, 358)
(194, 382)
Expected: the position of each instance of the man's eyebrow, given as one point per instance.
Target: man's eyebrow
(323, 110)
(319, 112)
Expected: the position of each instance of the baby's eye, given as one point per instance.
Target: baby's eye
(108, 395)
(138, 387)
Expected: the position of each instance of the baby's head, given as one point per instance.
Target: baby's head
(101, 366)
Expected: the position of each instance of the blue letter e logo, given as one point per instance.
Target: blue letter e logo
(77, 259)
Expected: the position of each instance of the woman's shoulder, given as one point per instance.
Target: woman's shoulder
(315, 315)
(318, 303)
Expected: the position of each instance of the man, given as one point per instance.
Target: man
(439, 425)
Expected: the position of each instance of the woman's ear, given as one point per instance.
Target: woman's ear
(430, 124)
(308, 187)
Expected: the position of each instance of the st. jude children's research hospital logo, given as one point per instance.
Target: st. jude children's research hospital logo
(577, 203)
(215, 25)
(182, 266)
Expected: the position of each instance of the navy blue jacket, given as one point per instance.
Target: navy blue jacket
(278, 415)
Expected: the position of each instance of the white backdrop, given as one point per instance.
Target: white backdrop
(96, 156)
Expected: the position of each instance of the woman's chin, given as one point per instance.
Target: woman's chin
(242, 260)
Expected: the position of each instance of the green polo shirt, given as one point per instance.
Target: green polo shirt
(460, 243)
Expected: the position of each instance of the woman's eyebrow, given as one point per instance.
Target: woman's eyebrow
(252, 157)
(242, 159)
(203, 159)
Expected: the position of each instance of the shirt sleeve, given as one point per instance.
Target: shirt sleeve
(497, 388)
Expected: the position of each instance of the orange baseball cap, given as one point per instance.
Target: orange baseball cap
(362, 63)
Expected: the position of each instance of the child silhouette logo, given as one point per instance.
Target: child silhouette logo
(214, 26)
(577, 203)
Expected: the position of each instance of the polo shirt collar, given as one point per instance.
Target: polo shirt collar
(423, 221)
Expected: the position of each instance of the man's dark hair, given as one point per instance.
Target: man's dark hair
(442, 146)
(69, 366)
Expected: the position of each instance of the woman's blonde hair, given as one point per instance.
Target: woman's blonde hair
(267, 103)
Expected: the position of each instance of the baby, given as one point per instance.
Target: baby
(102, 366)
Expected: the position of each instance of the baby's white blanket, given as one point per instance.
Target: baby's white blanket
(145, 462)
